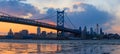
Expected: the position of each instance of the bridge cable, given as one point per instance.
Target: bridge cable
(43, 18)
(46, 17)
(70, 20)
(67, 24)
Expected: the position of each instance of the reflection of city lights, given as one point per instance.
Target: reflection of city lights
(7, 52)
(26, 48)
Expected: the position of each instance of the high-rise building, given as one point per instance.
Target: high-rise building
(84, 32)
(80, 29)
(10, 33)
(38, 31)
(91, 31)
(101, 31)
(43, 34)
(97, 28)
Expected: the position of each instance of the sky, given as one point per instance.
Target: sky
(82, 13)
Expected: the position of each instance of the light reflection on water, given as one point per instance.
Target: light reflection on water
(55, 48)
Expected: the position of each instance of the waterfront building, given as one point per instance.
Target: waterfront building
(10, 33)
(17, 35)
(84, 33)
(24, 32)
(33, 36)
(43, 34)
(51, 35)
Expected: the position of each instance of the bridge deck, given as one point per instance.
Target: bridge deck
(35, 23)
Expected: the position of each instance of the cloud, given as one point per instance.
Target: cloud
(90, 16)
(114, 25)
(85, 15)
(18, 8)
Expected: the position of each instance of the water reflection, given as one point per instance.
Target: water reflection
(26, 48)
(70, 48)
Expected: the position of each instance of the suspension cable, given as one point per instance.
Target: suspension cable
(46, 17)
(70, 20)
(43, 18)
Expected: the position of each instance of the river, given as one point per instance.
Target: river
(57, 47)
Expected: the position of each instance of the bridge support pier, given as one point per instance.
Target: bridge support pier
(60, 24)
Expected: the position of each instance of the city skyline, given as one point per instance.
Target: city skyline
(84, 33)
(82, 13)
(59, 26)
(38, 31)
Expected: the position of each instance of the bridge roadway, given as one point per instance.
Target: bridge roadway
(35, 23)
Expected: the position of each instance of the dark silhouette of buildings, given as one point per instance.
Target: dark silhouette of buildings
(93, 33)
(43, 34)
(10, 34)
(24, 34)
(85, 33)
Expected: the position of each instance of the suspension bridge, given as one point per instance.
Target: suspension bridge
(59, 27)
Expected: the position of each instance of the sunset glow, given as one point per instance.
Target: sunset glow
(18, 27)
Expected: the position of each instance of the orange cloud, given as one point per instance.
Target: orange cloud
(77, 3)
(114, 29)
(47, 21)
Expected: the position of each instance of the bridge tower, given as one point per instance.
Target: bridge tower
(60, 24)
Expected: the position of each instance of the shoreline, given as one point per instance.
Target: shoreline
(100, 42)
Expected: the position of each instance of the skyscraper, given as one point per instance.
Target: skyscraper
(80, 29)
(91, 31)
(101, 31)
(97, 29)
(38, 31)
(85, 30)
(84, 33)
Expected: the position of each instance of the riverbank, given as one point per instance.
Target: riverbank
(101, 42)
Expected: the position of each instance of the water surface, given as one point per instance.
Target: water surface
(72, 47)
